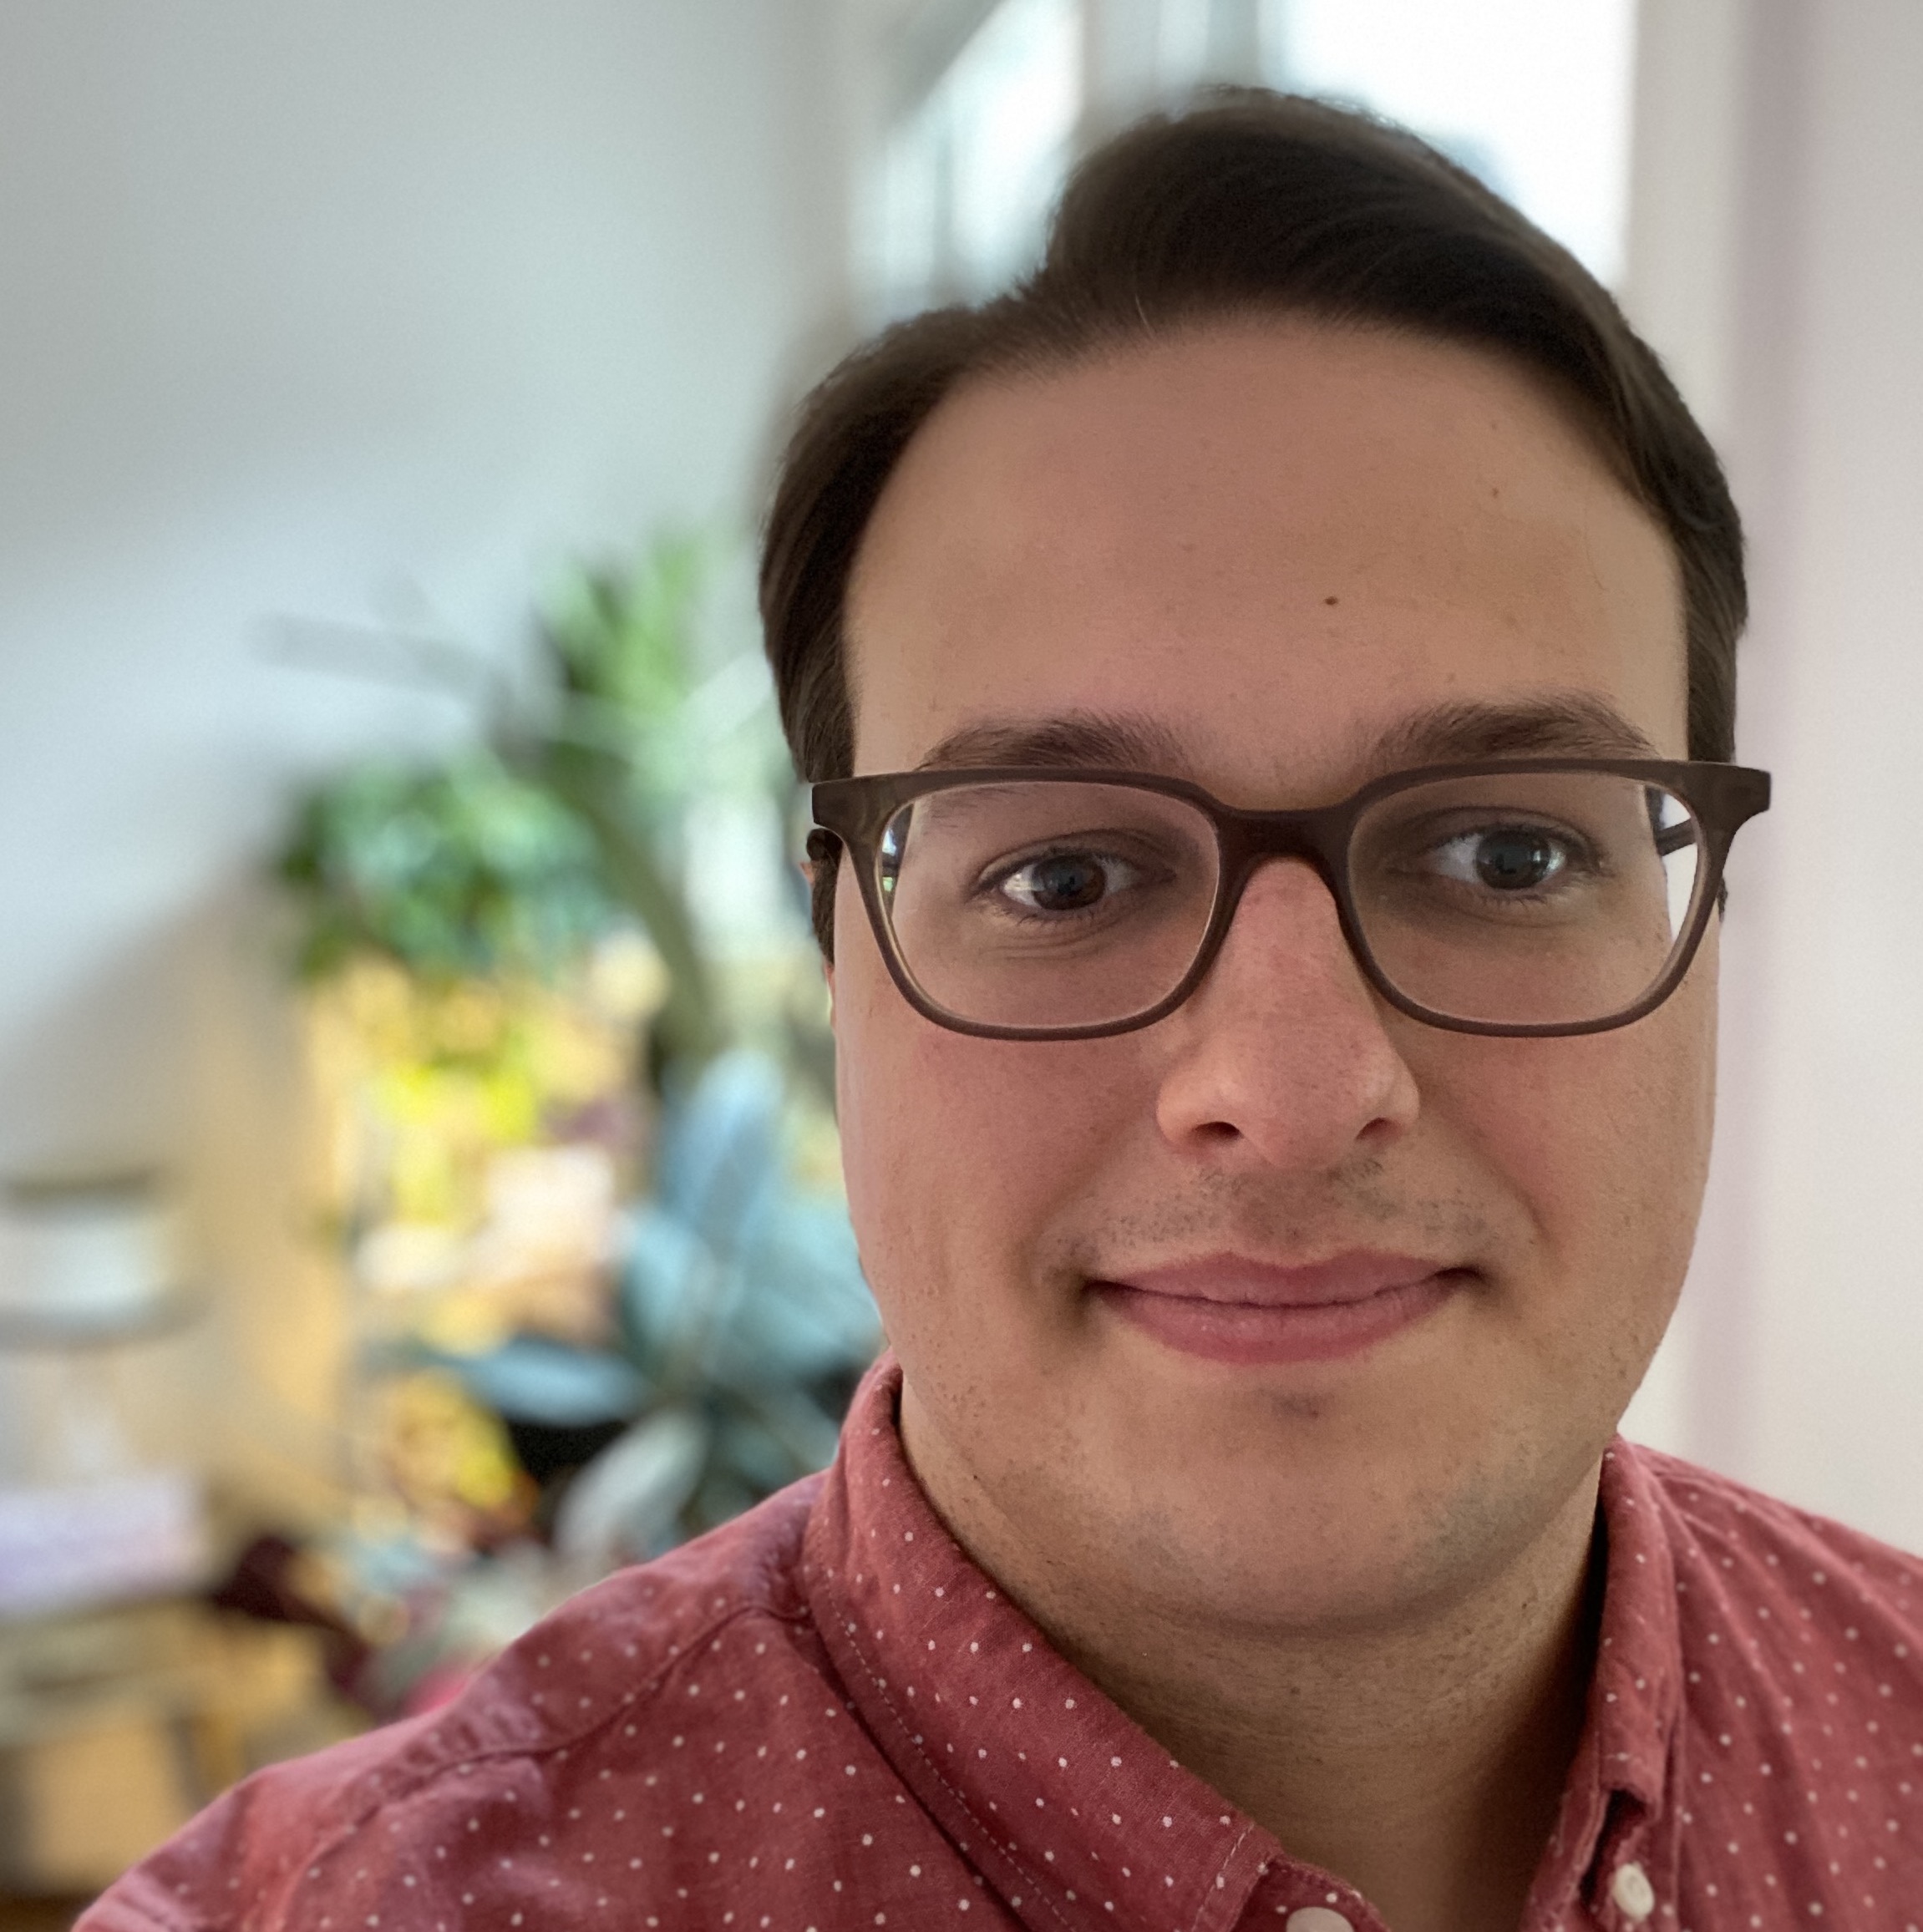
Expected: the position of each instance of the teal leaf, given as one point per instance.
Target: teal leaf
(532, 1379)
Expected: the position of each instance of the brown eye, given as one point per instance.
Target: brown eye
(1504, 859)
(1516, 861)
(1064, 881)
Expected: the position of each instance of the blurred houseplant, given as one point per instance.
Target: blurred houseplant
(584, 1178)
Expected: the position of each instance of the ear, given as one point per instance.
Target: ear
(806, 867)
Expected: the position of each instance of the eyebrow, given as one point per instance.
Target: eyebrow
(1073, 740)
(1563, 723)
(1556, 724)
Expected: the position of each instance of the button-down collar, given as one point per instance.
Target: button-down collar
(1073, 1813)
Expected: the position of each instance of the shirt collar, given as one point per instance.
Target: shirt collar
(1618, 1787)
(1068, 1808)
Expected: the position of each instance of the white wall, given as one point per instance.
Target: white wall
(1777, 258)
(349, 310)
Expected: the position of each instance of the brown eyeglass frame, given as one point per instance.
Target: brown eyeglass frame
(852, 814)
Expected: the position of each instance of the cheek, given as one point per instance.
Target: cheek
(1604, 1140)
(959, 1153)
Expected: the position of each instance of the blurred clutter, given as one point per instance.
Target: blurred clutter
(89, 1268)
(567, 1043)
(113, 1679)
(582, 1162)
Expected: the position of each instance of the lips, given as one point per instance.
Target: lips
(1228, 1308)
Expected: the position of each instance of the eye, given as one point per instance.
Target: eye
(1061, 882)
(1504, 859)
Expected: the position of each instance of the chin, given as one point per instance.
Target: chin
(1275, 1516)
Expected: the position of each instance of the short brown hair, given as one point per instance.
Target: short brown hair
(1250, 203)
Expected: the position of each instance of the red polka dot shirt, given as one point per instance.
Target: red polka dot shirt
(825, 1716)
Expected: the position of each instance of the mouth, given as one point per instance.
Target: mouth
(1227, 1308)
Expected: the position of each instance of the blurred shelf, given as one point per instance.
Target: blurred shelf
(25, 1329)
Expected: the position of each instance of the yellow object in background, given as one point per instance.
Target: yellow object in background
(450, 1459)
(481, 1137)
(423, 1083)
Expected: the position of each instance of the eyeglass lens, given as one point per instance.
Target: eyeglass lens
(1509, 899)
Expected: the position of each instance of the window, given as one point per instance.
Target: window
(969, 172)
(1533, 95)
(987, 97)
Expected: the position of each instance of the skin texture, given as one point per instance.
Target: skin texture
(1352, 1593)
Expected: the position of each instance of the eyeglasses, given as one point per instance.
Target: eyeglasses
(1519, 896)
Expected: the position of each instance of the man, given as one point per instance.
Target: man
(1287, 653)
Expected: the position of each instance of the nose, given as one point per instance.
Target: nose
(1281, 1059)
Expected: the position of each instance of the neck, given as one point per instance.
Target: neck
(1422, 1761)
(1424, 1765)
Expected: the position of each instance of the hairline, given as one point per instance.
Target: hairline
(1051, 344)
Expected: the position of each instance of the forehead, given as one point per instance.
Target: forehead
(1275, 545)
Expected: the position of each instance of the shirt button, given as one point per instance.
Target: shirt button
(1632, 1891)
(1317, 1919)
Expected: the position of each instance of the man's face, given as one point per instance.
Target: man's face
(1293, 557)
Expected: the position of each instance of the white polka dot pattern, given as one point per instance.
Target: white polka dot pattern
(825, 1716)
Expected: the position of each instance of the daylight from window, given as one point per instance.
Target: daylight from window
(969, 175)
(1533, 95)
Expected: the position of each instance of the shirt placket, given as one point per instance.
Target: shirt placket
(1632, 1884)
